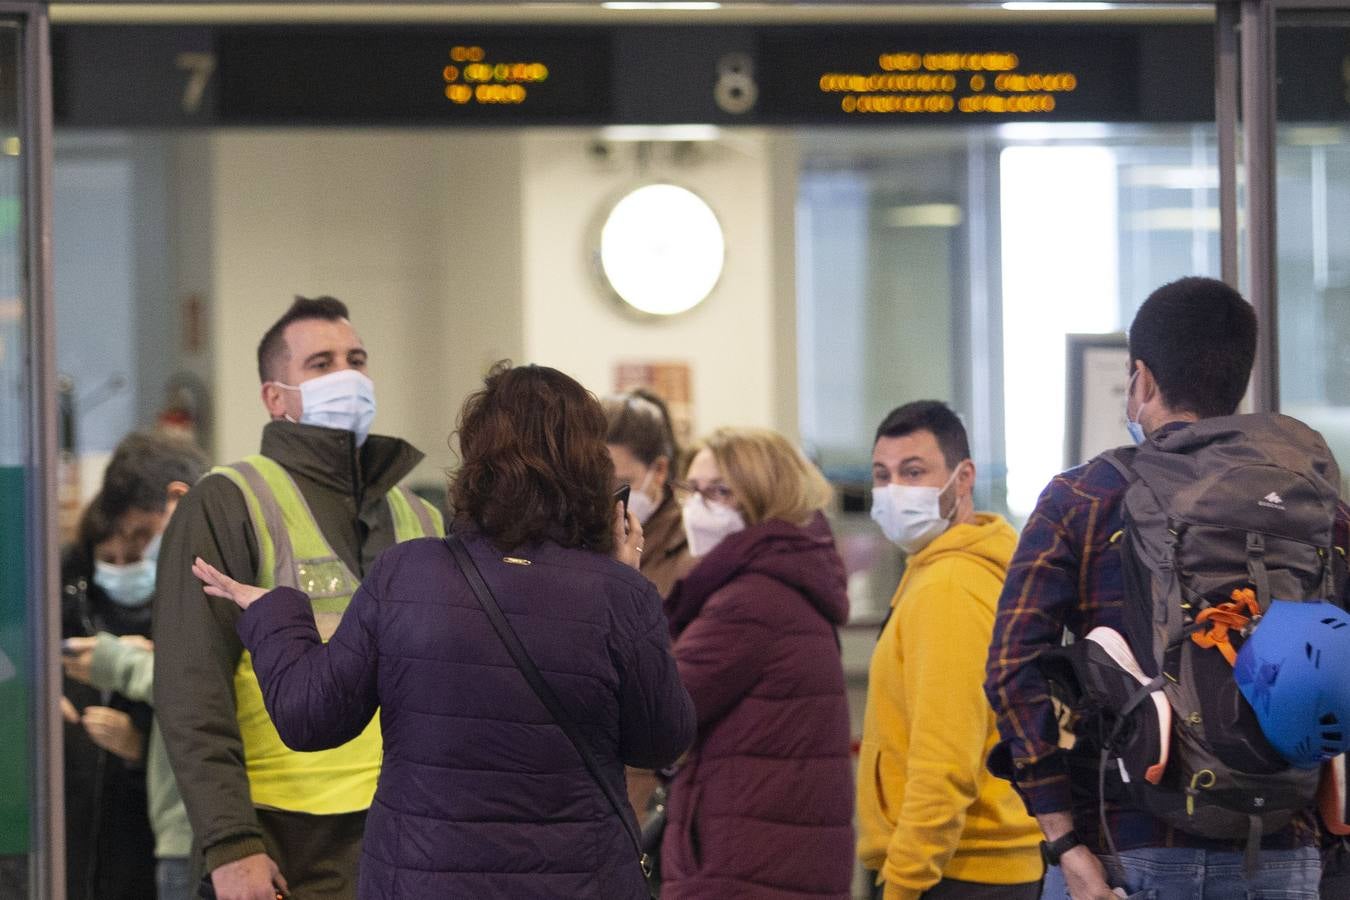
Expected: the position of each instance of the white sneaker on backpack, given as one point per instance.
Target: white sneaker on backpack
(1154, 760)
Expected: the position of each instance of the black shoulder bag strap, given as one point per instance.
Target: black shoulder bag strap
(541, 689)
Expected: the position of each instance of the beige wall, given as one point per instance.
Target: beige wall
(417, 231)
(455, 249)
(739, 343)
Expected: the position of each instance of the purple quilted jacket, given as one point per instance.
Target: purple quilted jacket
(480, 794)
(763, 805)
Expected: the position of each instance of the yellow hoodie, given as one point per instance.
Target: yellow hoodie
(927, 806)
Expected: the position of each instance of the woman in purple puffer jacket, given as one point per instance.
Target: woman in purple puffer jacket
(763, 806)
(480, 794)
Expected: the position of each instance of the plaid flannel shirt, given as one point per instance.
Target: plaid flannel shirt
(1067, 573)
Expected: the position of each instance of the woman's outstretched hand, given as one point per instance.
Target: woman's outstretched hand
(627, 537)
(218, 584)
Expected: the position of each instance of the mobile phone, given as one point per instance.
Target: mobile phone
(622, 496)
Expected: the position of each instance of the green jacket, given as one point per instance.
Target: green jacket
(130, 671)
(196, 648)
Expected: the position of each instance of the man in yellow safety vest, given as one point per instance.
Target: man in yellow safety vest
(313, 510)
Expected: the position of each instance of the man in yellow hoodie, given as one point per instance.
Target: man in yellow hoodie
(933, 822)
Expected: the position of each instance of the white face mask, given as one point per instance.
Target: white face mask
(639, 504)
(344, 400)
(707, 524)
(131, 585)
(911, 516)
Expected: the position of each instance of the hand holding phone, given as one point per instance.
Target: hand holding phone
(627, 532)
(77, 658)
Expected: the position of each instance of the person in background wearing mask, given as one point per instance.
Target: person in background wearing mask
(109, 582)
(313, 510)
(762, 805)
(642, 444)
(934, 823)
(109, 844)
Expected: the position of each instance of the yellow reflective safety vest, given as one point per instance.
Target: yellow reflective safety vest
(294, 553)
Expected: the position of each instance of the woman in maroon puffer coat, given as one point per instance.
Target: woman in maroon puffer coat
(762, 807)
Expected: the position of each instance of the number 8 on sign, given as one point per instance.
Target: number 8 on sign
(736, 92)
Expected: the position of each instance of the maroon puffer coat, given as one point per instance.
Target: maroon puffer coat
(763, 805)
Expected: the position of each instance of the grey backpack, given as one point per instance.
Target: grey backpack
(1223, 504)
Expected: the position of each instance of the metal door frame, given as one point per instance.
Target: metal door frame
(46, 857)
(1244, 105)
(1245, 57)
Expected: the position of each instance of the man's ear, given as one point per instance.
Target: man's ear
(273, 399)
(661, 469)
(1148, 385)
(965, 477)
(177, 489)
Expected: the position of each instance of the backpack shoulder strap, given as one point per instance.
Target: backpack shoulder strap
(1122, 460)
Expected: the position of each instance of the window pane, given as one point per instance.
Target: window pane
(1312, 218)
(952, 264)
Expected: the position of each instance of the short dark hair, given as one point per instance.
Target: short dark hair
(93, 529)
(1198, 338)
(533, 461)
(143, 466)
(639, 421)
(272, 348)
(932, 416)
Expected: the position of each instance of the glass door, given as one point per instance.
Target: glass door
(1312, 165)
(30, 761)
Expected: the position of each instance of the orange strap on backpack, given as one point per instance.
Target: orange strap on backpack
(1224, 617)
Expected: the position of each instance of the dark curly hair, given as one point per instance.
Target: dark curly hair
(533, 461)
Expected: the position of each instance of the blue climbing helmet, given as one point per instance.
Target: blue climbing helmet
(1294, 670)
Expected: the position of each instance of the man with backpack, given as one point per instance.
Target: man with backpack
(1161, 751)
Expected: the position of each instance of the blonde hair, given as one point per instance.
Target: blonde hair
(772, 478)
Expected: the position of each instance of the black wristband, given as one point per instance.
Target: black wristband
(1051, 851)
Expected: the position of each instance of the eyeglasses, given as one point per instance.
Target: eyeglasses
(711, 493)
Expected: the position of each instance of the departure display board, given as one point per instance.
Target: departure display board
(418, 76)
(1312, 65)
(240, 76)
(954, 74)
(444, 76)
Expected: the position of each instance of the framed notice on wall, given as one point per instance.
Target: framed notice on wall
(672, 382)
(1097, 367)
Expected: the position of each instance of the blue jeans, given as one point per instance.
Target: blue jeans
(1159, 873)
(173, 878)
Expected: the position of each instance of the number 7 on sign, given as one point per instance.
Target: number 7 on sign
(199, 68)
